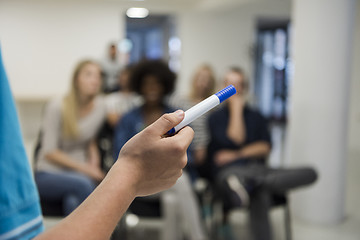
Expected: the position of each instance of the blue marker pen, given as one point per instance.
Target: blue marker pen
(203, 107)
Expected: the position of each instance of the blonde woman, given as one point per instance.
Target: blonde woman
(68, 164)
(202, 86)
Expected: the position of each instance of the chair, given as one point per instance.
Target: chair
(105, 146)
(277, 199)
(213, 212)
(268, 188)
(282, 200)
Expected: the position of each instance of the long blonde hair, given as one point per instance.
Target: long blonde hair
(208, 68)
(70, 104)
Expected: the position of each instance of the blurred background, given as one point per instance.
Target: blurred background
(302, 58)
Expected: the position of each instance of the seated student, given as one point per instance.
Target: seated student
(68, 165)
(239, 134)
(111, 66)
(153, 80)
(202, 86)
(240, 143)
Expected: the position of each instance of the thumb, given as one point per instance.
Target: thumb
(166, 122)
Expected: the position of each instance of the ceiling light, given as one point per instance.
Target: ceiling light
(137, 12)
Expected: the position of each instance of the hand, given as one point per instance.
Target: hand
(223, 157)
(236, 102)
(151, 162)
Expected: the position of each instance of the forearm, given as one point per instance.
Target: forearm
(236, 128)
(98, 215)
(257, 149)
(62, 159)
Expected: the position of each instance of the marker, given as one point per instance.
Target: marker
(203, 107)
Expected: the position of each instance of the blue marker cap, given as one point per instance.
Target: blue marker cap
(171, 131)
(226, 93)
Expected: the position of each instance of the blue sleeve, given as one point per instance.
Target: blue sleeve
(124, 130)
(20, 214)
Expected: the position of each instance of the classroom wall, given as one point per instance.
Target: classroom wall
(224, 37)
(43, 40)
(354, 118)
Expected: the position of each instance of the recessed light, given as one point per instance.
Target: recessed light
(137, 12)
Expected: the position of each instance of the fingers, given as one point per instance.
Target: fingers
(174, 178)
(179, 174)
(166, 122)
(183, 137)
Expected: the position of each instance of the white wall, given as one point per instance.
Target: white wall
(354, 122)
(223, 38)
(319, 107)
(43, 40)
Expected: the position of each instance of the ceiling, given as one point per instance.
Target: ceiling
(169, 6)
(177, 5)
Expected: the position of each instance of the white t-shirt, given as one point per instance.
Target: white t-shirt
(111, 69)
(121, 103)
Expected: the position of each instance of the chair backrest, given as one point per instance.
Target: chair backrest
(146, 207)
(37, 148)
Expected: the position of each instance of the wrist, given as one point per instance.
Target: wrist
(82, 168)
(125, 176)
(236, 112)
(240, 154)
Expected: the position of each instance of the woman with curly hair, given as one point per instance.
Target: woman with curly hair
(153, 80)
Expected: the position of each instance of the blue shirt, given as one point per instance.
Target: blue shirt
(130, 124)
(20, 214)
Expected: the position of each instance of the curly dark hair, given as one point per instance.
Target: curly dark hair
(156, 68)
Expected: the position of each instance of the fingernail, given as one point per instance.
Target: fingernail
(179, 113)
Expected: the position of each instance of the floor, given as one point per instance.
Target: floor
(349, 229)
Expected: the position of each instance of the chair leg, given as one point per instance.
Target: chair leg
(287, 217)
(217, 220)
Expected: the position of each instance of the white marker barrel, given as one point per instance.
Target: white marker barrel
(198, 110)
(203, 107)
